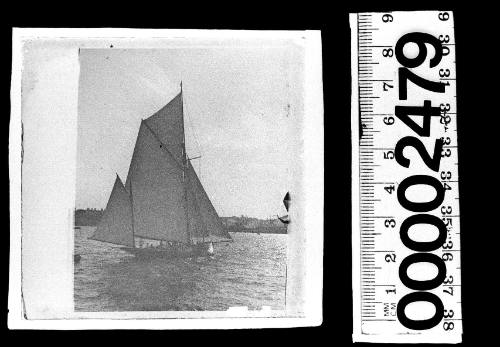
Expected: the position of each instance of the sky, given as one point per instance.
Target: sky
(242, 108)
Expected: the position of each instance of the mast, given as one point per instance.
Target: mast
(184, 172)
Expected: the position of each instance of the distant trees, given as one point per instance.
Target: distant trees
(248, 224)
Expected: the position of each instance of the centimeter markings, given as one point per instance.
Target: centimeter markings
(380, 254)
(366, 169)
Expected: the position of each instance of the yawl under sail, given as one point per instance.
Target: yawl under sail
(162, 199)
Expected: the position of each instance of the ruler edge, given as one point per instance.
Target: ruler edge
(355, 237)
(357, 334)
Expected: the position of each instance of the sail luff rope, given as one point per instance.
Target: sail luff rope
(193, 132)
(184, 164)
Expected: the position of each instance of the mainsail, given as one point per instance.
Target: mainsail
(156, 185)
(163, 198)
(116, 223)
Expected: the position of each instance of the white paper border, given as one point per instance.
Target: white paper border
(312, 180)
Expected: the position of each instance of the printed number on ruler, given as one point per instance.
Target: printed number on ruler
(408, 185)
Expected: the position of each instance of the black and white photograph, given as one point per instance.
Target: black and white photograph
(167, 174)
(179, 186)
(183, 177)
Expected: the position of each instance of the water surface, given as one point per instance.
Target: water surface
(248, 272)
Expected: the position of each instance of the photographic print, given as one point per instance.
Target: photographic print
(183, 167)
(175, 168)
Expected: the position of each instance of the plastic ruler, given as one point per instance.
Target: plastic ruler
(405, 201)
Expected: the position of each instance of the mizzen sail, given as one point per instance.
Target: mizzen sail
(116, 223)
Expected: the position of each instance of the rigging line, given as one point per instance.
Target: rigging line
(191, 127)
(197, 143)
(184, 173)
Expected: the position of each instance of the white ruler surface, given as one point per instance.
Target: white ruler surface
(405, 202)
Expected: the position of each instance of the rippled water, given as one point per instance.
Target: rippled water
(248, 272)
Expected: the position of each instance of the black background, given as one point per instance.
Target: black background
(475, 30)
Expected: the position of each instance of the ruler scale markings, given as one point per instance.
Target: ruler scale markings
(380, 250)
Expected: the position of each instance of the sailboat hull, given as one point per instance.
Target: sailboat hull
(200, 250)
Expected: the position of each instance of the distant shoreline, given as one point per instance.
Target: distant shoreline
(242, 224)
(272, 230)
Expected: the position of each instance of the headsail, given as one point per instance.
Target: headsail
(197, 231)
(214, 229)
(158, 201)
(116, 223)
